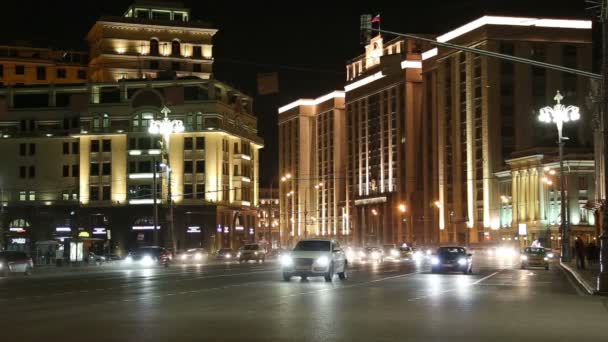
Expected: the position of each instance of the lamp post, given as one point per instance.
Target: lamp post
(165, 128)
(559, 114)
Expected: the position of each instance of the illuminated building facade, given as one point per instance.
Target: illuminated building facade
(312, 166)
(268, 216)
(80, 158)
(21, 65)
(485, 111)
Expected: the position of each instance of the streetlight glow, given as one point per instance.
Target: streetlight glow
(402, 208)
(559, 113)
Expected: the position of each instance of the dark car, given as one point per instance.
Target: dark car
(149, 256)
(225, 254)
(534, 257)
(252, 252)
(452, 258)
(15, 262)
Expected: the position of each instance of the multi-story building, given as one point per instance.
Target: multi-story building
(24, 65)
(312, 163)
(150, 39)
(388, 139)
(79, 159)
(268, 217)
(485, 109)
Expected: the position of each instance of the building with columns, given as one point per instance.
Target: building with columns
(484, 111)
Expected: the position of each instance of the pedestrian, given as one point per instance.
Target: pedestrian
(579, 247)
(591, 253)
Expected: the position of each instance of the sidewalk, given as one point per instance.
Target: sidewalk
(587, 278)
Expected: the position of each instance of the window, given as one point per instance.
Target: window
(175, 66)
(76, 170)
(187, 143)
(94, 193)
(19, 70)
(197, 52)
(200, 143)
(188, 166)
(175, 48)
(132, 144)
(32, 171)
(582, 183)
(144, 167)
(1, 70)
(106, 193)
(154, 47)
(236, 170)
(66, 148)
(154, 65)
(32, 196)
(107, 145)
(196, 68)
(32, 125)
(225, 168)
(94, 169)
(32, 149)
(66, 170)
(82, 75)
(23, 125)
(65, 195)
(188, 191)
(61, 73)
(236, 148)
(200, 166)
(22, 195)
(75, 147)
(106, 168)
(22, 148)
(94, 146)
(178, 17)
(200, 191)
(22, 172)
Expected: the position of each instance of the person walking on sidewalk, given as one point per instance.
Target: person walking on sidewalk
(579, 247)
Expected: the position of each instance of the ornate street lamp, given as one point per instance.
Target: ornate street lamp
(165, 127)
(559, 114)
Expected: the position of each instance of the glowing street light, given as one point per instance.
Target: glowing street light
(559, 114)
(437, 204)
(402, 208)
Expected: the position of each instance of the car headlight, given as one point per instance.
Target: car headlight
(147, 260)
(524, 257)
(184, 257)
(462, 261)
(394, 253)
(428, 252)
(546, 258)
(435, 261)
(255, 253)
(375, 255)
(286, 261)
(322, 261)
(198, 256)
(551, 255)
(129, 259)
(228, 255)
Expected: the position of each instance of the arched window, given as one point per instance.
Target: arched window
(101, 122)
(154, 47)
(175, 48)
(141, 122)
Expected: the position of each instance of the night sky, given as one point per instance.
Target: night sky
(307, 42)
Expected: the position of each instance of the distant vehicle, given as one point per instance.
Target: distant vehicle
(15, 262)
(225, 254)
(275, 253)
(315, 257)
(534, 257)
(391, 252)
(372, 254)
(193, 255)
(96, 258)
(113, 257)
(149, 256)
(406, 253)
(452, 258)
(354, 254)
(252, 251)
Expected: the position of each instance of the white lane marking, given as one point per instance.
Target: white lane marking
(578, 290)
(485, 278)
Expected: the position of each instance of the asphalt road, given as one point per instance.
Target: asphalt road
(231, 302)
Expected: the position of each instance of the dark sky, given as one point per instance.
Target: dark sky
(286, 36)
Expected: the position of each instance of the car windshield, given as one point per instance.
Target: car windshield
(450, 250)
(534, 251)
(140, 251)
(251, 247)
(312, 246)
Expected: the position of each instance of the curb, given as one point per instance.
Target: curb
(590, 289)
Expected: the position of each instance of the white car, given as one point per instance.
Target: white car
(315, 258)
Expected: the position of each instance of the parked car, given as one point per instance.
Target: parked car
(15, 262)
(452, 258)
(149, 256)
(252, 251)
(315, 257)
